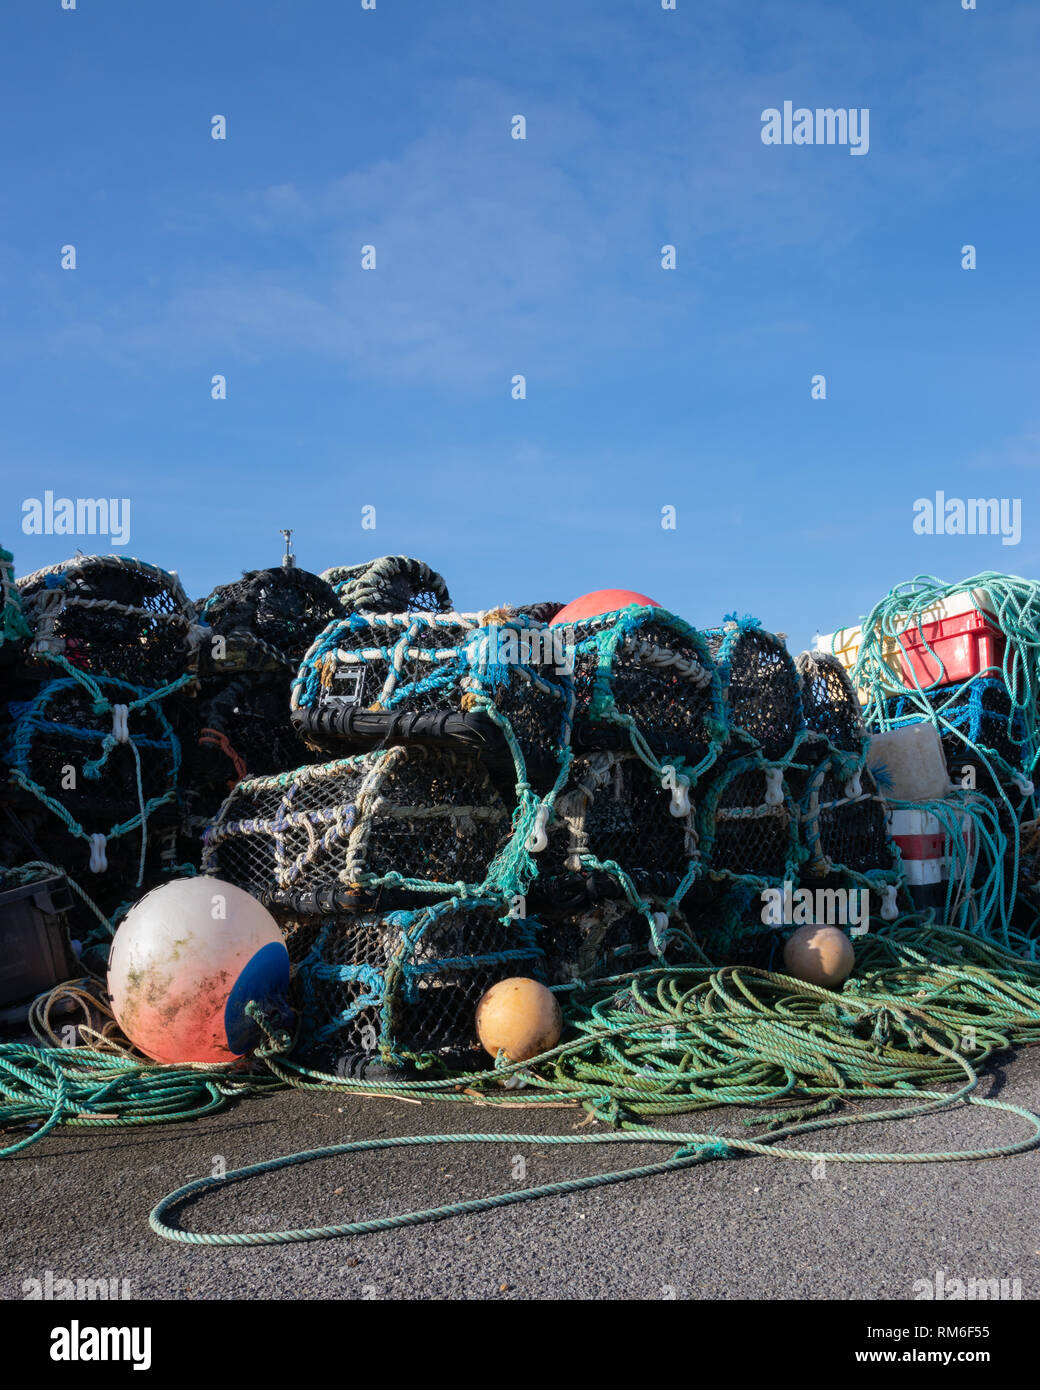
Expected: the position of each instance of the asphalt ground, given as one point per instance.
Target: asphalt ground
(75, 1206)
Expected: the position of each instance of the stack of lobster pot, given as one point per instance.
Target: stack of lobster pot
(398, 861)
(255, 632)
(92, 746)
(623, 847)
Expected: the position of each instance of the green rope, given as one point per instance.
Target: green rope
(928, 1006)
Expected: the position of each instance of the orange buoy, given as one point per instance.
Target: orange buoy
(601, 601)
(819, 955)
(519, 1017)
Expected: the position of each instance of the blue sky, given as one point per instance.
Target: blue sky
(645, 387)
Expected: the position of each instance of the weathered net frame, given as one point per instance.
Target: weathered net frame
(404, 986)
(112, 615)
(760, 687)
(644, 680)
(749, 825)
(377, 679)
(402, 824)
(614, 819)
(125, 760)
(832, 709)
(391, 584)
(266, 620)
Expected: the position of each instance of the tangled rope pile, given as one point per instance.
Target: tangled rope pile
(929, 1006)
(991, 723)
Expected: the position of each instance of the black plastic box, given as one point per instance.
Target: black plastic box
(35, 953)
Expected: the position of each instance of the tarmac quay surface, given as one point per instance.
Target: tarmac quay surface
(75, 1206)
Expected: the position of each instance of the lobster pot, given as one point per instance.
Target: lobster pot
(394, 826)
(726, 918)
(614, 809)
(92, 778)
(643, 678)
(599, 939)
(978, 712)
(749, 824)
(265, 621)
(392, 584)
(845, 822)
(830, 705)
(240, 729)
(376, 679)
(760, 686)
(405, 985)
(110, 616)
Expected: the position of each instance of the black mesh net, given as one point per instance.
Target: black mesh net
(111, 616)
(424, 818)
(604, 938)
(760, 687)
(749, 823)
(614, 809)
(846, 825)
(96, 771)
(832, 709)
(267, 619)
(657, 676)
(404, 985)
(390, 668)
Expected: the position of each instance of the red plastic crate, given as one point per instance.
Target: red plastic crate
(967, 643)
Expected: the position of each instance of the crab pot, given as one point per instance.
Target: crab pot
(599, 939)
(265, 621)
(241, 728)
(643, 673)
(725, 919)
(94, 772)
(405, 985)
(614, 808)
(402, 825)
(393, 584)
(109, 616)
(845, 821)
(748, 824)
(760, 686)
(830, 705)
(439, 679)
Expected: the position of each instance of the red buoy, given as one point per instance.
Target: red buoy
(601, 601)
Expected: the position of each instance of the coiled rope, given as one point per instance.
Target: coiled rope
(929, 1006)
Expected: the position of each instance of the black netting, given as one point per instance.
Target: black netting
(832, 709)
(404, 984)
(760, 687)
(62, 748)
(851, 828)
(743, 833)
(605, 938)
(109, 616)
(430, 817)
(614, 808)
(268, 618)
(394, 668)
(659, 676)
